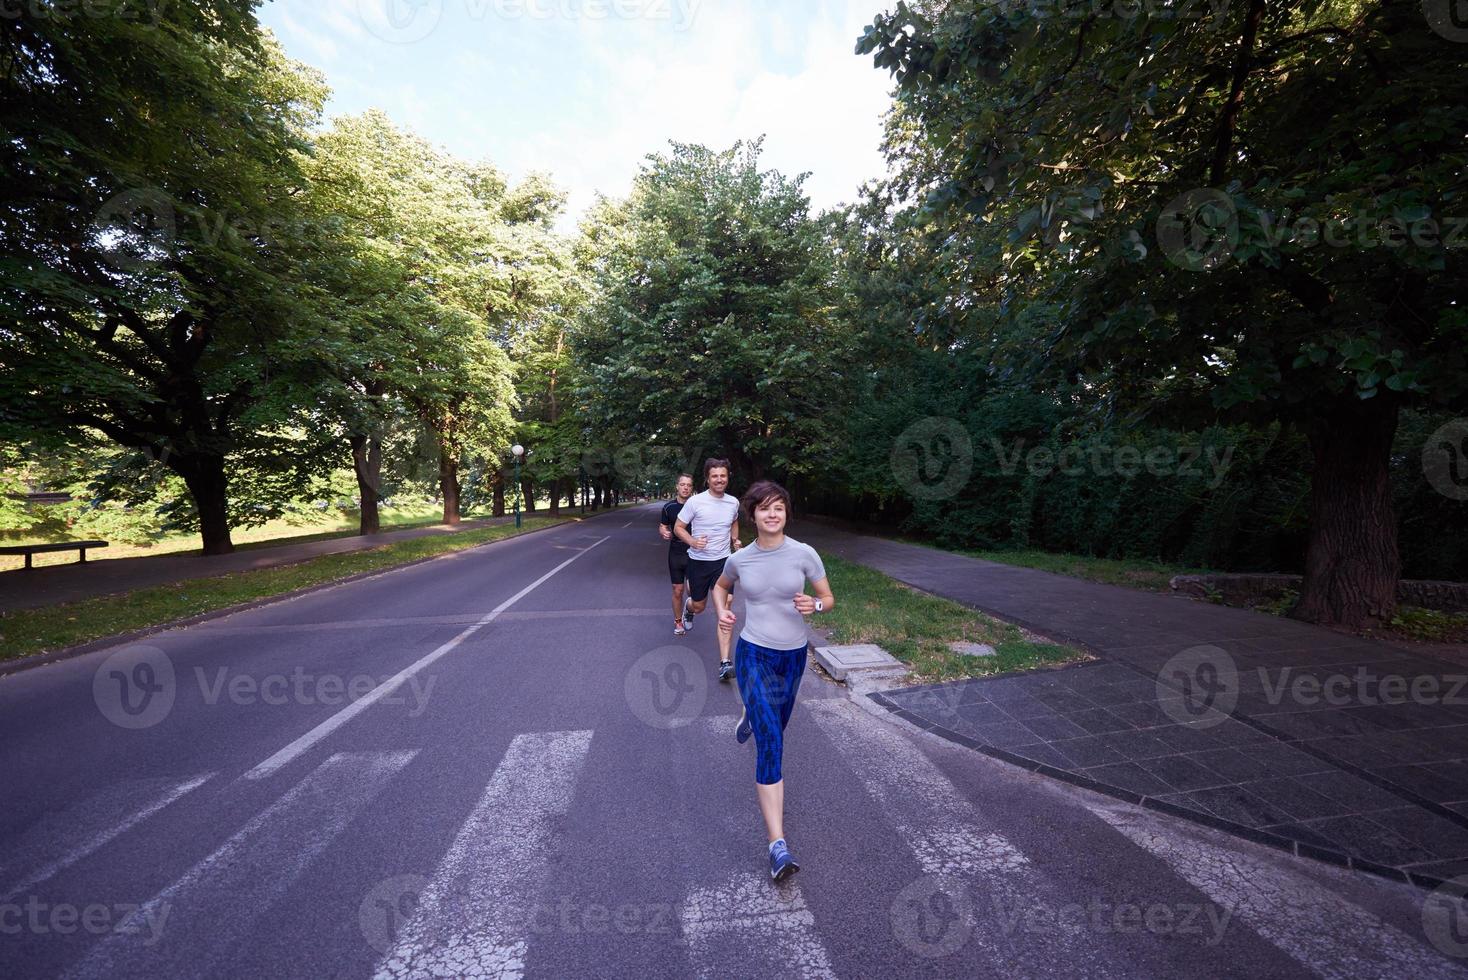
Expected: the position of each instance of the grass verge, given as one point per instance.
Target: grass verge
(916, 628)
(1410, 623)
(1134, 573)
(30, 631)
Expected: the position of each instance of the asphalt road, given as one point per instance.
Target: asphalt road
(502, 763)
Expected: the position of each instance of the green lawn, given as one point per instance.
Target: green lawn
(1134, 573)
(331, 523)
(916, 628)
(29, 631)
(1410, 623)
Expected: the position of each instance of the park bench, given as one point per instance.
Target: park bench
(32, 549)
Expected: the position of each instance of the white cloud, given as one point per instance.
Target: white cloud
(585, 99)
(709, 87)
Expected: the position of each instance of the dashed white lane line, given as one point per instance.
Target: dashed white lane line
(1324, 932)
(748, 927)
(473, 918)
(306, 741)
(41, 837)
(223, 894)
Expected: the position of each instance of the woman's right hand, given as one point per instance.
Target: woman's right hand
(727, 619)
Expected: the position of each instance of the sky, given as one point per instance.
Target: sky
(584, 89)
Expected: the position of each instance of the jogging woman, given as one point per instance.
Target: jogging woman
(769, 660)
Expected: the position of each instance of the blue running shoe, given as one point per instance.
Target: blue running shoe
(726, 670)
(782, 865)
(742, 731)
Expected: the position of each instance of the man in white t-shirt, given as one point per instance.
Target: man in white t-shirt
(709, 525)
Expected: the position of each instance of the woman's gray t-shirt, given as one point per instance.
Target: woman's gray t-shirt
(769, 581)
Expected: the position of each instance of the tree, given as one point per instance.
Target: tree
(452, 262)
(148, 245)
(709, 324)
(1244, 211)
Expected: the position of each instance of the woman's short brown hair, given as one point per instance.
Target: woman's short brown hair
(762, 492)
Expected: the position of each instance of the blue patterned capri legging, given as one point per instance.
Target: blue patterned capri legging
(768, 682)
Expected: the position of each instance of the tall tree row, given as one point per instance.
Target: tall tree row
(1244, 213)
(238, 296)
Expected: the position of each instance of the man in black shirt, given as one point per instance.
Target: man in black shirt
(677, 553)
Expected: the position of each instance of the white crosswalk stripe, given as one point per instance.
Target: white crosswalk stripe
(1327, 934)
(223, 894)
(95, 822)
(969, 862)
(473, 918)
(747, 927)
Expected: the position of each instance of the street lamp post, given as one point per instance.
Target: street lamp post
(519, 451)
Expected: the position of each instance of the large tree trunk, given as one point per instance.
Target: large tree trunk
(527, 494)
(499, 494)
(208, 485)
(1351, 564)
(367, 463)
(572, 488)
(448, 481)
(555, 497)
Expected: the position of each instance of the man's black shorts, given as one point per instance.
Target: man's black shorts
(702, 575)
(678, 564)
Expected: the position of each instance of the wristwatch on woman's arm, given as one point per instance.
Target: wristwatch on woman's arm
(820, 606)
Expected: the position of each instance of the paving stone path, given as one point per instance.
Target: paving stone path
(1343, 749)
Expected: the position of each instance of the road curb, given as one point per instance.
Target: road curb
(1296, 848)
(19, 664)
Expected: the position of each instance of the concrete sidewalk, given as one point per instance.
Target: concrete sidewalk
(1334, 747)
(53, 584)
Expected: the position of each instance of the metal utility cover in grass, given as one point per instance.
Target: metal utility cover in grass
(842, 660)
(973, 649)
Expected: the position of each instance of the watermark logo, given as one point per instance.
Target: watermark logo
(1445, 460)
(933, 458)
(933, 917)
(667, 687)
(400, 21)
(136, 228)
(1198, 230)
(1199, 687)
(135, 687)
(1448, 18)
(387, 908)
(1445, 917)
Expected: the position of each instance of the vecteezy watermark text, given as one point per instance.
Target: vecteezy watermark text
(137, 687)
(1201, 685)
(304, 688)
(1101, 459)
(410, 21)
(98, 919)
(131, 11)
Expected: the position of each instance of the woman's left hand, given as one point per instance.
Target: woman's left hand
(805, 605)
